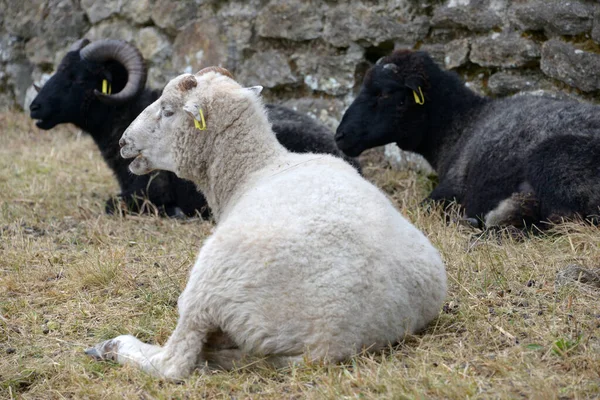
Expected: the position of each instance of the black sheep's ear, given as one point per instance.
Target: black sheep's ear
(107, 75)
(413, 82)
(416, 83)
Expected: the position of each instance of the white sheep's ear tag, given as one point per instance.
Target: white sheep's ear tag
(255, 89)
(197, 114)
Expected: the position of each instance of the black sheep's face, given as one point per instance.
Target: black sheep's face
(385, 111)
(67, 93)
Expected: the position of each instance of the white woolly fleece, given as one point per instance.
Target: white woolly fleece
(308, 258)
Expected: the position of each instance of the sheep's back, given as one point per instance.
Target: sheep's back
(316, 253)
(506, 130)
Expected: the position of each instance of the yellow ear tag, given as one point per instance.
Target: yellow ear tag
(419, 100)
(106, 87)
(201, 125)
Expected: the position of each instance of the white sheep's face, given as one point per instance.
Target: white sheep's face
(151, 137)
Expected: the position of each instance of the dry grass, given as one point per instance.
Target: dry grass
(71, 276)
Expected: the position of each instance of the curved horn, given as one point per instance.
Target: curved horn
(78, 45)
(380, 60)
(126, 54)
(220, 70)
(37, 88)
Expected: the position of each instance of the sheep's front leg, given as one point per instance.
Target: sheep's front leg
(124, 349)
(176, 360)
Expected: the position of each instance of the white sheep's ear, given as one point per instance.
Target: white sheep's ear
(193, 109)
(255, 89)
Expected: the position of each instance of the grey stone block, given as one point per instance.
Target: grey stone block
(555, 17)
(577, 68)
(457, 53)
(504, 50)
(291, 20)
(269, 69)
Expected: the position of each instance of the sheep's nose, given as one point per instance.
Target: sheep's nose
(339, 135)
(122, 142)
(34, 107)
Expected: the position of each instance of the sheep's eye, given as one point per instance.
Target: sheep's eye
(168, 113)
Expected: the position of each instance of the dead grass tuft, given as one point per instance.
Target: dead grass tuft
(71, 276)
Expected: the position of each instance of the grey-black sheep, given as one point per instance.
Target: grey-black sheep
(100, 87)
(512, 161)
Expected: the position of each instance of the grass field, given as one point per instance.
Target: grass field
(71, 276)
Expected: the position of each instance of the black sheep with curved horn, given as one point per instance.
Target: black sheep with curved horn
(100, 87)
(74, 94)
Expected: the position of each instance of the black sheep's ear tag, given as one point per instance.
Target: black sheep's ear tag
(419, 98)
(415, 85)
(106, 86)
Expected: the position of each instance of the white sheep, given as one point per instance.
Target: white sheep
(309, 261)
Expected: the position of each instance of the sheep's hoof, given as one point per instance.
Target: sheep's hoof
(106, 350)
(471, 222)
(93, 352)
(175, 212)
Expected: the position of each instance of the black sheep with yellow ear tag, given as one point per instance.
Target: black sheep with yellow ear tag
(514, 161)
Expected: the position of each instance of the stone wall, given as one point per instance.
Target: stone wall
(312, 54)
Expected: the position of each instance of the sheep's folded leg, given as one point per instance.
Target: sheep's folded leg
(125, 349)
(176, 360)
(470, 222)
(520, 210)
